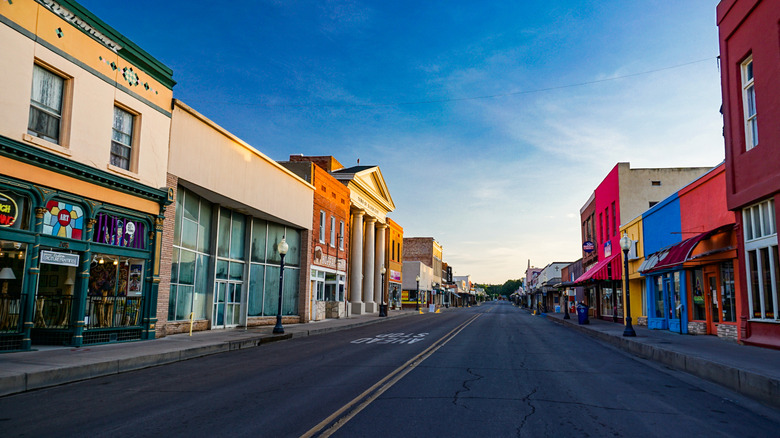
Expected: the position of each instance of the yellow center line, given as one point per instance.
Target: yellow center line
(368, 396)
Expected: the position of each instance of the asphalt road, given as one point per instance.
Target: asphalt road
(488, 371)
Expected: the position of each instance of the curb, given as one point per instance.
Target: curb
(29, 381)
(759, 387)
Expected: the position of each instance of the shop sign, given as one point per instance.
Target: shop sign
(588, 247)
(608, 248)
(327, 260)
(59, 258)
(63, 219)
(395, 275)
(8, 211)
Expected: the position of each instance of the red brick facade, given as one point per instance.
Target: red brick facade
(332, 198)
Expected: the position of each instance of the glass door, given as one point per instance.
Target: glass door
(713, 302)
(227, 304)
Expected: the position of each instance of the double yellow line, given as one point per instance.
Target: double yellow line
(339, 418)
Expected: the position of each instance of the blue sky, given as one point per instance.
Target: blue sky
(492, 122)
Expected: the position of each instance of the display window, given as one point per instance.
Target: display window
(12, 262)
(115, 291)
(63, 219)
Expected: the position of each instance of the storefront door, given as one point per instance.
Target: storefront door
(227, 304)
(712, 299)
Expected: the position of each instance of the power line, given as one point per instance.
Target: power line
(461, 99)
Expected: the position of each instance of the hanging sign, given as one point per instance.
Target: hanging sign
(588, 246)
(8, 211)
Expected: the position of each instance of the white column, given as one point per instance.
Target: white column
(356, 263)
(368, 267)
(380, 261)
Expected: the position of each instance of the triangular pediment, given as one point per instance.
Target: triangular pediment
(367, 181)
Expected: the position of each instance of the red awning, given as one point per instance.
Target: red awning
(601, 270)
(677, 253)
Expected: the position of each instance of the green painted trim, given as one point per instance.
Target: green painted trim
(104, 78)
(49, 161)
(130, 51)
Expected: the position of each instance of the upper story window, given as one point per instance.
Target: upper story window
(122, 139)
(749, 104)
(332, 232)
(322, 227)
(341, 235)
(46, 100)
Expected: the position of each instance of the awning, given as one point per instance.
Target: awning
(601, 270)
(676, 254)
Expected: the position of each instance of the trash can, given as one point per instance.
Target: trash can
(582, 313)
(383, 310)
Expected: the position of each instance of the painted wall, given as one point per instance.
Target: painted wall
(634, 229)
(703, 203)
(661, 225)
(743, 26)
(29, 35)
(607, 196)
(204, 154)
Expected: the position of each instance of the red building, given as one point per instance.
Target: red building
(330, 234)
(750, 68)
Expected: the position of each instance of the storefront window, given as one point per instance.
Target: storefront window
(256, 284)
(263, 294)
(63, 219)
(14, 211)
(699, 308)
(12, 262)
(189, 269)
(259, 231)
(119, 231)
(762, 260)
(659, 297)
(676, 304)
(727, 294)
(115, 292)
(606, 301)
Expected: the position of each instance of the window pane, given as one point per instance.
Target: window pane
(765, 230)
(728, 308)
(290, 301)
(271, 299)
(223, 235)
(293, 239)
(699, 309)
(187, 267)
(189, 234)
(175, 266)
(47, 89)
(236, 271)
(199, 304)
(204, 227)
(191, 202)
(755, 296)
(659, 297)
(258, 240)
(255, 293)
(275, 234)
(44, 125)
(184, 303)
(222, 269)
(748, 221)
(172, 304)
(123, 125)
(237, 237)
(772, 218)
(179, 218)
(756, 221)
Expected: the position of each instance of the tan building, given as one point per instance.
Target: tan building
(233, 207)
(394, 255)
(84, 127)
(370, 202)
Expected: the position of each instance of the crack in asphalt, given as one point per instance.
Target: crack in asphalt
(465, 385)
(527, 399)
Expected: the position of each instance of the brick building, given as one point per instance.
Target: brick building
(330, 235)
(394, 256)
(429, 252)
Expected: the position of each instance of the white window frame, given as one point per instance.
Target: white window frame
(332, 231)
(341, 235)
(59, 115)
(131, 147)
(748, 96)
(322, 226)
(760, 227)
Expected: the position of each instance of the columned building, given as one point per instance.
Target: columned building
(370, 202)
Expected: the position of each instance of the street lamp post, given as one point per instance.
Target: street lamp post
(382, 306)
(418, 291)
(566, 304)
(625, 245)
(282, 247)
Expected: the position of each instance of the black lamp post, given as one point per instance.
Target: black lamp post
(418, 291)
(625, 245)
(382, 306)
(566, 304)
(282, 247)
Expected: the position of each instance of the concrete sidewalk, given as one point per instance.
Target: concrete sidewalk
(51, 366)
(751, 371)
